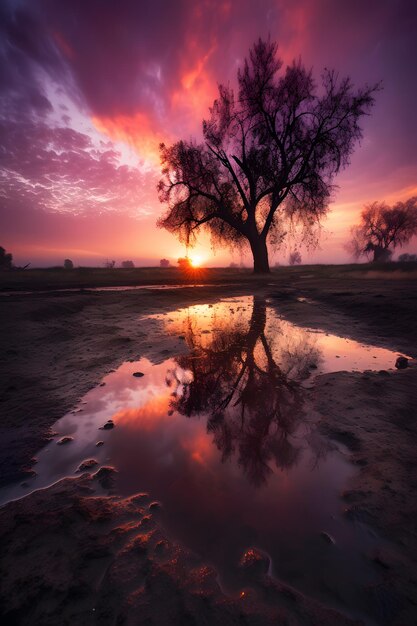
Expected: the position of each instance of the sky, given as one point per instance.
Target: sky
(88, 90)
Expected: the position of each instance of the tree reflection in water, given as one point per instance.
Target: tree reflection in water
(246, 376)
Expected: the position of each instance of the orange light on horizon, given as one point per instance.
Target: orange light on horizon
(196, 260)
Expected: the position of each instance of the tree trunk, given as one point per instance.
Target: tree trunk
(260, 255)
(381, 255)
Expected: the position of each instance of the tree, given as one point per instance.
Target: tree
(164, 263)
(6, 259)
(184, 263)
(68, 264)
(407, 258)
(128, 265)
(294, 258)
(383, 228)
(109, 264)
(268, 157)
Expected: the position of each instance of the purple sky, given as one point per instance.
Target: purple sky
(88, 89)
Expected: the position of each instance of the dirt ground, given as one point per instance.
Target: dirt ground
(55, 346)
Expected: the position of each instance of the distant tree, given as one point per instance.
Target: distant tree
(164, 263)
(383, 228)
(269, 156)
(184, 263)
(128, 265)
(109, 264)
(294, 258)
(68, 264)
(6, 260)
(234, 265)
(407, 258)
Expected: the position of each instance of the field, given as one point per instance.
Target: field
(57, 345)
(92, 277)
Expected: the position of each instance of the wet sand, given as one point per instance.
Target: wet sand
(57, 346)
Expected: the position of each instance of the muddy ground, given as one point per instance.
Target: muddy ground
(55, 346)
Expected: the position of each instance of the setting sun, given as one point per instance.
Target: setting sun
(196, 261)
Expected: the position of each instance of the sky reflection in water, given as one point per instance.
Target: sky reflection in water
(224, 438)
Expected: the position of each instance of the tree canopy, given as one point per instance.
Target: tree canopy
(268, 157)
(383, 228)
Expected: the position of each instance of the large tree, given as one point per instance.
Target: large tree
(268, 157)
(382, 228)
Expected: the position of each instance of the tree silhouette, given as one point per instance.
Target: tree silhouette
(184, 263)
(383, 228)
(253, 404)
(6, 259)
(407, 258)
(295, 258)
(269, 156)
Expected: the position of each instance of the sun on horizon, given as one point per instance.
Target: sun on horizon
(195, 260)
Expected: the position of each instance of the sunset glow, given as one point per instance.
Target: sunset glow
(195, 260)
(87, 102)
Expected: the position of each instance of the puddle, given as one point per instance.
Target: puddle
(15, 292)
(223, 437)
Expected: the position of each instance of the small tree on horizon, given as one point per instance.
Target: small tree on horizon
(294, 258)
(68, 264)
(383, 228)
(164, 263)
(128, 265)
(6, 259)
(268, 159)
(407, 258)
(184, 263)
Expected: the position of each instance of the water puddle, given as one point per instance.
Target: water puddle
(16, 292)
(223, 436)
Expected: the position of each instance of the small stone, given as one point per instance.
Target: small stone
(64, 440)
(328, 538)
(99, 443)
(401, 363)
(155, 506)
(107, 426)
(86, 465)
(138, 374)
